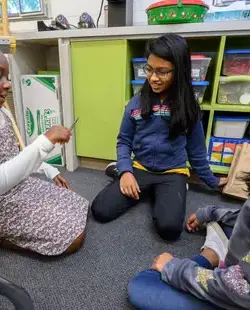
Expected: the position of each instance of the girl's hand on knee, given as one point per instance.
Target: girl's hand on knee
(192, 223)
(161, 261)
(129, 186)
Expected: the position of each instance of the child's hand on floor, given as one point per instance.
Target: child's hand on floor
(192, 223)
(61, 182)
(129, 186)
(161, 261)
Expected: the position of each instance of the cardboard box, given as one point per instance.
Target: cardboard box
(240, 167)
(42, 109)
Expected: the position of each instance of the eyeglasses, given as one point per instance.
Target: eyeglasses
(160, 73)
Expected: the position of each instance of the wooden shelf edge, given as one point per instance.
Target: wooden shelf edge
(215, 169)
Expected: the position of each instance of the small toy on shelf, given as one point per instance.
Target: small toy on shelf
(86, 21)
(200, 64)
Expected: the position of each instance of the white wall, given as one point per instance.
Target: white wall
(139, 15)
(72, 9)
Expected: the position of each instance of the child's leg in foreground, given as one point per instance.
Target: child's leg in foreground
(148, 292)
(170, 205)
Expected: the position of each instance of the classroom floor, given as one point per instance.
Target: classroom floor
(96, 277)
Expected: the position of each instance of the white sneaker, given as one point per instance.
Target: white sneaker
(216, 240)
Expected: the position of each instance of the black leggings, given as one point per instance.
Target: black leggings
(169, 193)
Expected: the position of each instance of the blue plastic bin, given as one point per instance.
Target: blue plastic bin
(139, 64)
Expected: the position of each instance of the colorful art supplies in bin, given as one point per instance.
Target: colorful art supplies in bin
(236, 62)
(200, 64)
(221, 150)
(176, 12)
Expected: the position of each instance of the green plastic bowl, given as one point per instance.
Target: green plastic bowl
(176, 12)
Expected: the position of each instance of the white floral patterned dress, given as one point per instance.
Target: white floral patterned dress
(35, 214)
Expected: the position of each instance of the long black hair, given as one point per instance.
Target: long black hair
(185, 110)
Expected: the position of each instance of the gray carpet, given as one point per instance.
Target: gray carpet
(97, 276)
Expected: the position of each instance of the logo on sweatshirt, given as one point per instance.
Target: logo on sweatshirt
(158, 110)
(30, 123)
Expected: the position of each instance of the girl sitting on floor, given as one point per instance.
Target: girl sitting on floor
(217, 279)
(162, 127)
(35, 215)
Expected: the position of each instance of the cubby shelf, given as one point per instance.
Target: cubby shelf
(101, 143)
(211, 106)
(215, 168)
(219, 169)
(231, 108)
(205, 106)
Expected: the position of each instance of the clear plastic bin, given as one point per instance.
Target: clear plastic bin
(139, 64)
(200, 64)
(234, 90)
(200, 89)
(236, 62)
(137, 86)
(230, 127)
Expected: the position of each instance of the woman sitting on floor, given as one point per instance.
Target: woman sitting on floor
(35, 215)
(217, 279)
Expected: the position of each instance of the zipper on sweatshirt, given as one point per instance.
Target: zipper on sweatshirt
(154, 153)
(156, 135)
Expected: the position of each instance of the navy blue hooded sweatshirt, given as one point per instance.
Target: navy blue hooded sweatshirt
(149, 141)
